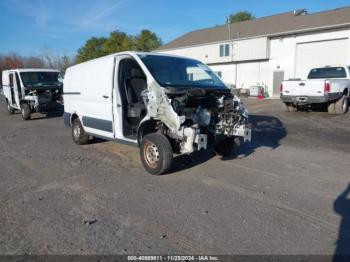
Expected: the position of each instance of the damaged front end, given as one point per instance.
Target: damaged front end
(196, 118)
(43, 100)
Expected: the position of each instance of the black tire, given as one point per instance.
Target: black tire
(26, 111)
(225, 147)
(10, 109)
(290, 107)
(156, 153)
(78, 133)
(341, 106)
(331, 108)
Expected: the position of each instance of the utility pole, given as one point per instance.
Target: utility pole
(231, 47)
(228, 27)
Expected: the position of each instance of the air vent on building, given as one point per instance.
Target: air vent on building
(299, 12)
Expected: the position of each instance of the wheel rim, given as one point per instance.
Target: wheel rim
(151, 154)
(76, 131)
(22, 112)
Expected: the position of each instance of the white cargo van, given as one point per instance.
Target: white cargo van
(163, 104)
(32, 90)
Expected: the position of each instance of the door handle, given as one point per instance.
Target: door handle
(104, 96)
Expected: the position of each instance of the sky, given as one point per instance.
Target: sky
(27, 27)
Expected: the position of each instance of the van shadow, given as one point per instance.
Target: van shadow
(342, 207)
(96, 140)
(51, 114)
(183, 162)
(267, 131)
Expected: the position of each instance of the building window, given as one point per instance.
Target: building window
(224, 50)
(227, 50)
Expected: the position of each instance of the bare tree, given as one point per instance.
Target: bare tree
(57, 61)
(34, 62)
(10, 61)
(50, 59)
(13, 60)
(65, 62)
(47, 59)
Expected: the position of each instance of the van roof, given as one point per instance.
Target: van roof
(19, 70)
(132, 53)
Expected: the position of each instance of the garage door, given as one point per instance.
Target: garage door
(318, 54)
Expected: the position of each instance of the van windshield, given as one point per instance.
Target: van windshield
(41, 79)
(181, 72)
(327, 72)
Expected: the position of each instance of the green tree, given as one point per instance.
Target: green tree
(241, 16)
(93, 48)
(147, 41)
(118, 42)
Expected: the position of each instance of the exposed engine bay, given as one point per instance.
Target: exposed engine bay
(41, 99)
(204, 116)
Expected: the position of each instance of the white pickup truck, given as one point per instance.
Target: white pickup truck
(329, 86)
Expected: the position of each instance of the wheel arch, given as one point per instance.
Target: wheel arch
(72, 117)
(146, 127)
(23, 101)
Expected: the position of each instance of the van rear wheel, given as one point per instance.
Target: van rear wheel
(156, 153)
(78, 133)
(10, 109)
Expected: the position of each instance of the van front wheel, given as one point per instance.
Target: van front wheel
(156, 153)
(78, 133)
(26, 111)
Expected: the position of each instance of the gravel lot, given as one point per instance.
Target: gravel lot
(280, 194)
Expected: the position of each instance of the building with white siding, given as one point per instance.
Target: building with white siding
(267, 50)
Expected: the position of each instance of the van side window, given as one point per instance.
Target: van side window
(17, 80)
(11, 79)
(18, 83)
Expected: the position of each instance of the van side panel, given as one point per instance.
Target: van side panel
(6, 84)
(88, 93)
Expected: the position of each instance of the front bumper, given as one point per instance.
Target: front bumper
(46, 107)
(244, 132)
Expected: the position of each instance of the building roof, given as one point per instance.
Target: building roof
(280, 24)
